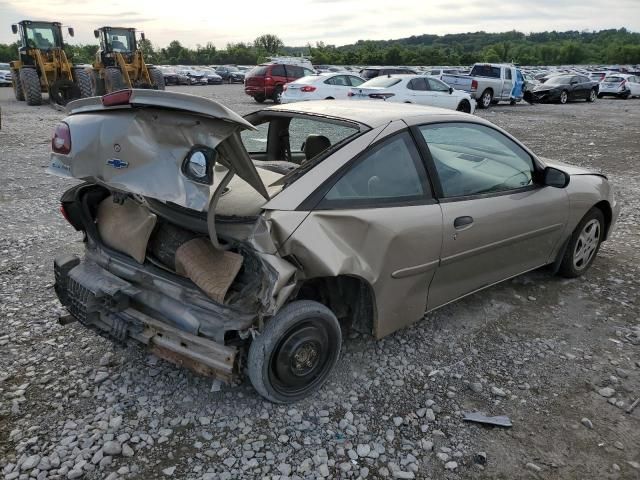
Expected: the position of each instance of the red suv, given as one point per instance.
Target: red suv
(268, 80)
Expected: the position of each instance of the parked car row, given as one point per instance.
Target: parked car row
(5, 75)
(198, 75)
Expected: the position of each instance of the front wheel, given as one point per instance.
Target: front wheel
(157, 78)
(564, 96)
(31, 86)
(295, 353)
(83, 81)
(464, 106)
(592, 95)
(17, 85)
(486, 99)
(583, 245)
(277, 95)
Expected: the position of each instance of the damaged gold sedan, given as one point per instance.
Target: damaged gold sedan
(229, 244)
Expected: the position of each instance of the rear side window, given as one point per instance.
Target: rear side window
(355, 81)
(418, 84)
(368, 73)
(507, 74)
(256, 141)
(339, 80)
(391, 173)
(278, 71)
(437, 85)
(294, 71)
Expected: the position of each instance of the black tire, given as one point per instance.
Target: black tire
(295, 353)
(592, 95)
(113, 80)
(583, 239)
(157, 78)
(259, 98)
(512, 102)
(83, 81)
(31, 86)
(563, 98)
(17, 85)
(277, 94)
(97, 84)
(464, 106)
(486, 99)
(600, 95)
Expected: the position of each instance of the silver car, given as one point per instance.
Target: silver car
(223, 242)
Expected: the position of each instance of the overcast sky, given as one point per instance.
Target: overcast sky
(298, 22)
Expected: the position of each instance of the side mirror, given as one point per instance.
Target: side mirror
(14, 28)
(450, 90)
(71, 31)
(96, 33)
(552, 177)
(142, 36)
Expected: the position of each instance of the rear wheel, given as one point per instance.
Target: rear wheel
(157, 78)
(295, 353)
(486, 99)
(564, 96)
(464, 106)
(113, 80)
(31, 86)
(83, 81)
(592, 95)
(600, 95)
(17, 85)
(584, 244)
(259, 98)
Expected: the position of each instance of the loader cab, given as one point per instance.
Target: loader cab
(43, 36)
(115, 40)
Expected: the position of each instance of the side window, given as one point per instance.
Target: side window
(278, 71)
(256, 141)
(574, 79)
(390, 173)
(306, 72)
(437, 86)
(507, 74)
(300, 128)
(417, 84)
(355, 81)
(294, 71)
(474, 159)
(338, 80)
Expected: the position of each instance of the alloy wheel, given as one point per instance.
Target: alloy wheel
(587, 244)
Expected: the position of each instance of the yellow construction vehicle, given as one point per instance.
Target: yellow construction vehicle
(43, 66)
(119, 63)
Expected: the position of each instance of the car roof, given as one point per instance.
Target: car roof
(370, 113)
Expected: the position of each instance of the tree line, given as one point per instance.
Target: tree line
(613, 46)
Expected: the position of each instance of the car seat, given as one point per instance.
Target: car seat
(315, 145)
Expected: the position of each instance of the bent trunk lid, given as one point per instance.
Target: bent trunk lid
(141, 146)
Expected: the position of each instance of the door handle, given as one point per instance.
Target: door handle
(462, 222)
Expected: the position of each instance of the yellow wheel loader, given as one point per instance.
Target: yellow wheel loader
(43, 66)
(119, 63)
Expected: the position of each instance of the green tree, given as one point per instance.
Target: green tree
(268, 42)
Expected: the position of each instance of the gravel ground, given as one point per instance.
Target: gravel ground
(560, 357)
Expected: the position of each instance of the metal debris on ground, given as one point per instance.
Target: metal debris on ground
(633, 405)
(477, 417)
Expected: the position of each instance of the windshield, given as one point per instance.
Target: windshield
(119, 39)
(4, 66)
(40, 36)
(383, 82)
(369, 73)
(485, 71)
(560, 80)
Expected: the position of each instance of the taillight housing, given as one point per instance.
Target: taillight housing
(121, 97)
(474, 85)
(61, 139)
(308, 88)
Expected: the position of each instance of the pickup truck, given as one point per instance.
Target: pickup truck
(489, 83)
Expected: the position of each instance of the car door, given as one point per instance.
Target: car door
(417, 91)
(575, 89)
(441, 94)
(340, 86)
(377, 219)
(634, 85)
(497, 222)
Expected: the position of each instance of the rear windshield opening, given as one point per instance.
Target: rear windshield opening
(485, 71)
(370, 73)
(258, 71)
(614, 79)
